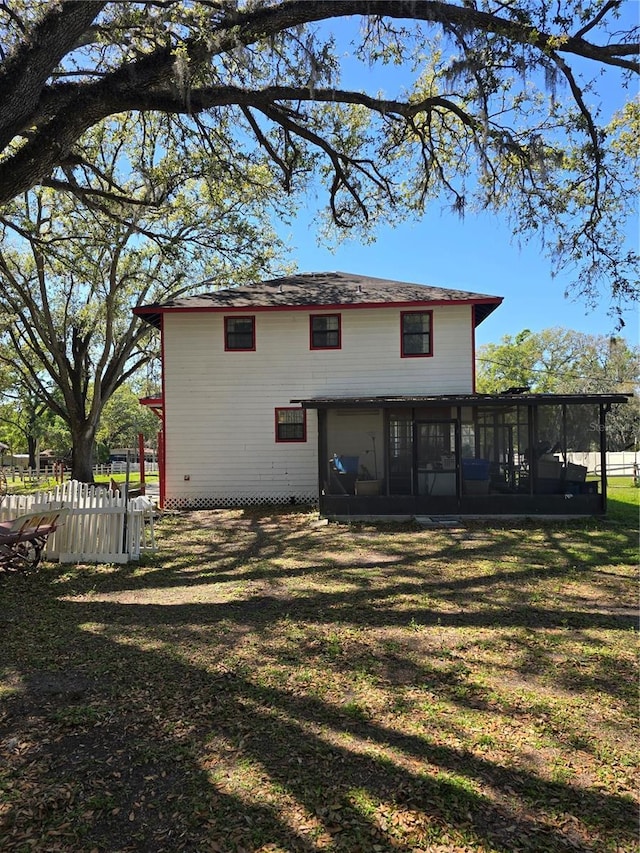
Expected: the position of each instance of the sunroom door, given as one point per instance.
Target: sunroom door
(437, 457)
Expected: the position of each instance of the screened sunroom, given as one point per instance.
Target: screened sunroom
(472, 454)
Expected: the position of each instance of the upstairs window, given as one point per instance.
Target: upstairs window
(240, 333)
(291, 424)
(417, 336)
(325, 331)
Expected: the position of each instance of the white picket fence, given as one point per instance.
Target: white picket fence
(100, 528)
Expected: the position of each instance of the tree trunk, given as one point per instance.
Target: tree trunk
(83, 439)
(32, 446)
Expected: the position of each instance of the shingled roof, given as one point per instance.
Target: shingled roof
(320, 290)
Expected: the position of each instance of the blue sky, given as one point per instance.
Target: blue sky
(473, 254)
(476, 253)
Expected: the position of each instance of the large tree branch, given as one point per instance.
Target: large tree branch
(604, 10)
(85, 193)
(201, 99)
(596, 153)
(24, 72)
(44, 149)
(31, 103)
(294, 12)
(114, 282)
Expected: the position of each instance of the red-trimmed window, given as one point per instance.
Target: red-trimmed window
(291, 424)
(325, 331)
(240, 334)
(416, 333)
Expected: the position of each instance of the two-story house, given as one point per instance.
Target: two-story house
(358, 394)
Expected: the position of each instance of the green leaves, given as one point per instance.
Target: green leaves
(134, 224)
(563, 361)
(495, 106)
(559, 361)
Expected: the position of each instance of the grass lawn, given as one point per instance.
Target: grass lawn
(269, 683)
(17, 486)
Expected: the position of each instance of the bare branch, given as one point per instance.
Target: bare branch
(87, 192)
(604, 11)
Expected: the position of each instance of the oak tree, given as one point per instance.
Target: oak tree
(124, 419)
(501, 107)
(72, 273)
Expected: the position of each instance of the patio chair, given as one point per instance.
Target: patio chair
(343, 471)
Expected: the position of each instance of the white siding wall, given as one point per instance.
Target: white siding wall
(220, 422)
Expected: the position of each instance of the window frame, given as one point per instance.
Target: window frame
(234, 317)
(278, 438)
(404, 354)
(313, 346)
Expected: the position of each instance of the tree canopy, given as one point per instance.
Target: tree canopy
(559, 361)
(502, 108)
(123, 419)
(72, 273)
(563, 361)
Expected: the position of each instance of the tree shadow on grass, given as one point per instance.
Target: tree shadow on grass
(272, 548)
(241, 547)
(265, 589)
(158, 755)
(139, 750)
(364, 607)
(136, 726)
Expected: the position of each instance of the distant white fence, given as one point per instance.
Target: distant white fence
(49, 472)
(100, 528)
(619, 464)
(121, 468)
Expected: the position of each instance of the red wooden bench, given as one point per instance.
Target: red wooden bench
(22, 539)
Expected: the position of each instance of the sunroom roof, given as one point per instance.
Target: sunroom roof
(418, 401)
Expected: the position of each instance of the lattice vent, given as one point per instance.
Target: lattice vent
(214, 502)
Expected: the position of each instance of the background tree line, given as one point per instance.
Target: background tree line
(563, 361)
